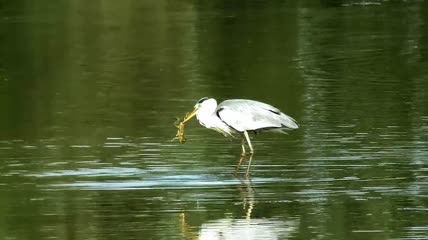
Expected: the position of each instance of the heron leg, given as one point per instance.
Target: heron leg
(243, 147)
(249, 164)
(249, 142)
(239, 163)
(251, 152)
(243, 154)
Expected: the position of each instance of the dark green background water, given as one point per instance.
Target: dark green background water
(89, 91)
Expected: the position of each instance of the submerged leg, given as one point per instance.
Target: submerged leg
(243, 154)
(251, 151)
(249, 165)
(239, 163)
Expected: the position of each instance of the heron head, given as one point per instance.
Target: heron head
(201, 103)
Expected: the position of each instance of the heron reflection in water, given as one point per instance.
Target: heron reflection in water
(239, 117)
(239, 224)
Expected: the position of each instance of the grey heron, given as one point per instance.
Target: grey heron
(239, 117)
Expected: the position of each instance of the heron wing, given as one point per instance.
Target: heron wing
(248, 115)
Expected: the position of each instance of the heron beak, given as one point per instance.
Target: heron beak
(190, 115)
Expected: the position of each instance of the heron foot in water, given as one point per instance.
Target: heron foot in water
(241, 160)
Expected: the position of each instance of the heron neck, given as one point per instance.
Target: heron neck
(207, 117)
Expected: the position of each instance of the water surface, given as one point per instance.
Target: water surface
(89, 92)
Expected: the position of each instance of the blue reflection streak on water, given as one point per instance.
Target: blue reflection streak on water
(149, 180)
(90, 172)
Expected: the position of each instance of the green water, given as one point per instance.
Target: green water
(89, 91)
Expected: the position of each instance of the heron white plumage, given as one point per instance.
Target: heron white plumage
(240, 116)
